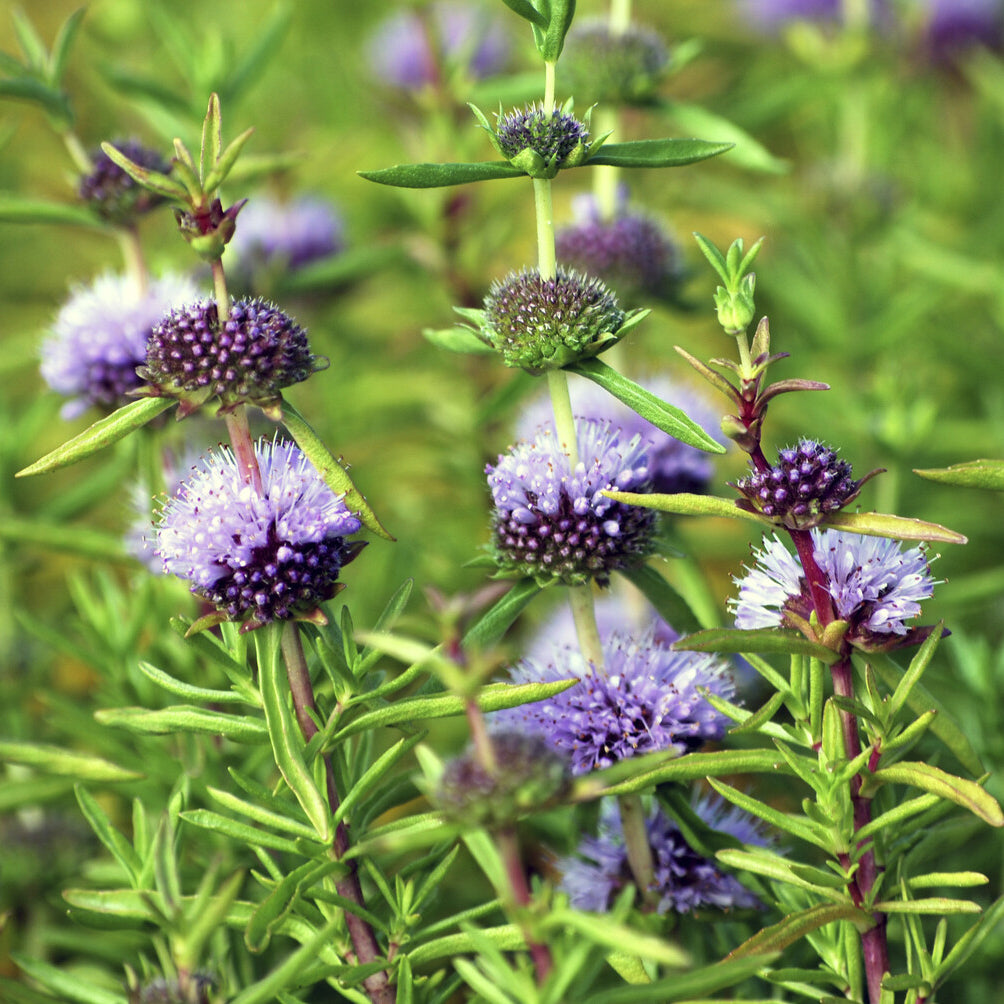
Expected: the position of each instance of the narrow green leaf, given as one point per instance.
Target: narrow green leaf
(117, 845)
(263, 816)
(334, 475)
(253, 836)
(687, 504)
(135, 85)
(155, 181)
(527, 11)
(281, 901)
(971, 474)
(190, 692)
(284, 732)
(918, 664)
(877, 524)
(508, 937)
(602, 930)
(686, 986)
(65, 763)
(16, 208)
(657, 152)
(457, 339)
(662, 415)
(897, 814)
(490, 627)
(62, 44)
(764, 641)
(964, 948)
(32, 791)
(760, 717)
(442, 175)
(103, 433)
(226, 161)
(795, 825)
(68, 985)
(797, 925)
(715, 258)
(920, 700)
(29, 89)
(773, 866)
(184, 718)
(937, 905)
(968, 794)
(30, 41)
(746, 151)
(375, 773)
(668, 603)
(253, 61)
(212, 140)
(494, 697)
(953, 880)
(58, 537)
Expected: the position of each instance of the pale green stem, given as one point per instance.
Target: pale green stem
(745, 362)
(620, 16)
(605, 176)
(78, 154)
(549, 87)
(135, 263)
(480, 739)
(588, 634)
(547, 259)
(243, 446)
(564, 421)
(220, 290)
(636, 843)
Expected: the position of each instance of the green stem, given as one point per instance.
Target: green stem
(636, 842)
(620, 16)
(745, 360)
(564, 420)
(480, 739)
(78, 154)
(584, 615)
(508, 846)
(549, 69)
(135, 263)
(605, 176)
(547, 260)
(220, 291)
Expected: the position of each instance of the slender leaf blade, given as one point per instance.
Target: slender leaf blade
(657, 152)
(442, 175)
(490, 627)
(763, 641)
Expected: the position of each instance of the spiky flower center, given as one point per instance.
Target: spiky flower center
(551, 135)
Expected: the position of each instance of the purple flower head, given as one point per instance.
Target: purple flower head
(673, 466)
(684, 879)
(873, 583)
(955, 26)
(408, 48)
(644, 700)
(540, 141)
(251, 357)
(552, 522)
(807, 483)
(606, 66)
(540, 324)
(100, 337)
(265, 557)
(773, 16)
(631, 252)
(112, 193)
(288, 234)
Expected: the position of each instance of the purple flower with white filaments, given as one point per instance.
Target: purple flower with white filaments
(100, 337)
(646, 698)
(684, 879)
(873, 583)
(553, 522)
(264, 557)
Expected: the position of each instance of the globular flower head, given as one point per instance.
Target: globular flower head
(623, 67)
(286, 234)
(645, 699)
(552, 522)
(631, 252)
(956, 26)
(807, 483)
(411, 51)
(250, 357)
(258, 557)
(100, 337)
(874, 584)
(541, 142)
(112, 193)
(542, 324)
(673, 466)
(684, 879)
(528, 775)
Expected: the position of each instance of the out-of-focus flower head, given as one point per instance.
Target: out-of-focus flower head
(286, 234)
(100, 337)
(413, 49)
(112, 193)
(684, 880)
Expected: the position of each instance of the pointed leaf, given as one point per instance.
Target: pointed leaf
(375, 773)
(936, 904)
(68, 985)
(117, 845)
(601, 930)
(877, 524)
(964, 948)
(442, 175)
(184, 718)
(797, 925)
(918, 664)
(16, 208)
(63, 539)
(971, 474)
(212, 139)
(689, 986)
(761, 640)
(62, 44)
(162, 184)
(657, 152)
(527, 11)
(190, 692)
(687, 504)
(263, 816)
(283, 898)
(65, 763)
(490, 627)
(103, 433)
(457, 339)
(28, 89)
(662, 415)
(968, 794)
(253, 836)
(30, 41)
(227, 160)
(334, 475)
